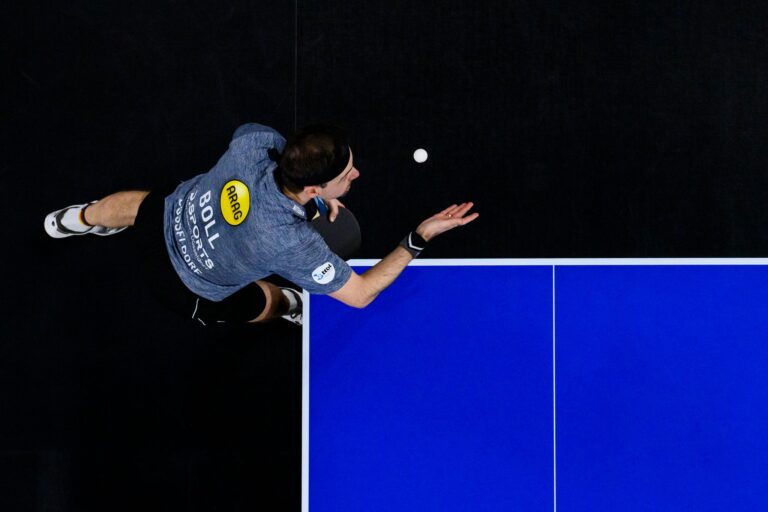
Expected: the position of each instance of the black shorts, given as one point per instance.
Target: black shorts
(165, 285)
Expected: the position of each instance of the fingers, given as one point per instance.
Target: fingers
(450, 218)
(470, 218)
(334, 205)
(447, 210)
(457, 211)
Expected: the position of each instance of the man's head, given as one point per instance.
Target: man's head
(317, 161)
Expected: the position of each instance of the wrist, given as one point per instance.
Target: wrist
(414, 243)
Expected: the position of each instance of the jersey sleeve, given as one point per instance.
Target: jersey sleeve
(253, 128)
(314, 267)
(254, 137)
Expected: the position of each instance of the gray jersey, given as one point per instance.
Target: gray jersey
(231, 226)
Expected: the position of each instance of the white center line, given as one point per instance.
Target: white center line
(554, 399)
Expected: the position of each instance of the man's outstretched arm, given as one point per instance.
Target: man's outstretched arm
(361, 290)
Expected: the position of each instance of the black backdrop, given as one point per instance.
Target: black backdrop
(596, 129)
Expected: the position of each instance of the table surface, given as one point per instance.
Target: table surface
(537, 384)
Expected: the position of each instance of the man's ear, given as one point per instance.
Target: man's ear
(312, 191)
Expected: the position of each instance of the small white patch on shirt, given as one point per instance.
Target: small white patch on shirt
(325, 273)
(298, 210)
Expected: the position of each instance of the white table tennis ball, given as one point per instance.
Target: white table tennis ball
(420, 155)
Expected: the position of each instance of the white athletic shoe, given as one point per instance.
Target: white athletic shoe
(56, 229)
(296, 307)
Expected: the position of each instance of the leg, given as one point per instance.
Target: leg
(258, 302)
(277, 303)
(116, 210)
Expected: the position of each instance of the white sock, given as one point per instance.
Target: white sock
(293, 304)
(71, 220)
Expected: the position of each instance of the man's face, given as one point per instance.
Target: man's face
(340, 185)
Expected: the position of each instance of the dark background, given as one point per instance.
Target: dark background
(597, 129)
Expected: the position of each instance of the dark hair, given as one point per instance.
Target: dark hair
(309, 153)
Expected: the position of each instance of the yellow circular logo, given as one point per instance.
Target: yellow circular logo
(235, 202)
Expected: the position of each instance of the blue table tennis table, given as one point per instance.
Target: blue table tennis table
(538, 385)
